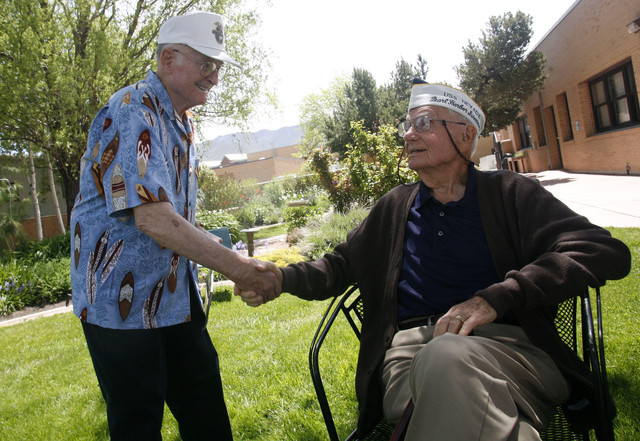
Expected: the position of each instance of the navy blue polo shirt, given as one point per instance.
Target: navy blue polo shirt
(446, 255)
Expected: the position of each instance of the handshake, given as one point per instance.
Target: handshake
(262, 284)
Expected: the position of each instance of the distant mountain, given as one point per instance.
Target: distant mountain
(245, 142)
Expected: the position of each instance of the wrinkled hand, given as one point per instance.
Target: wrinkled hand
(261, 279)
(465, 317)
(251, 297)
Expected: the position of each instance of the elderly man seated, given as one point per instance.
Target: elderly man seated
(460, 275)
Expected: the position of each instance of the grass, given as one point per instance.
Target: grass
(49, 390)
(621, 309)
(270, 231)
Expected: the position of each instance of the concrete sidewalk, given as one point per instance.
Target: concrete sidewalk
(606, 200)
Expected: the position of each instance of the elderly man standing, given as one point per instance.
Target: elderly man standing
(135, 245)
(460, 274)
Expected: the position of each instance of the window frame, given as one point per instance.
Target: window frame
(606, 107)
(524, 131)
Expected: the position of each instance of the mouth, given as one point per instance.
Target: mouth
(415, 150)
(203, 87)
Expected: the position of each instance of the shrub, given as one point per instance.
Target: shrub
(16, 287)
(216, 219)
(245, 217)
(33, 284)
(274, 191)
(52, 280)
(53, 248)
(298, 217)
(222, 192)
(263, 210)
(283, 256)
(371, 166)
(322, 235)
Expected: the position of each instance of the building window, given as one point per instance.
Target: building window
(537, 119)
(614, 98)
(523, 130)
(564, 117)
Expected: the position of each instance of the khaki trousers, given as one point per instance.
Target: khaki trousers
(494, 385)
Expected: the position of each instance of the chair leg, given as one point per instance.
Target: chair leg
(401, 429)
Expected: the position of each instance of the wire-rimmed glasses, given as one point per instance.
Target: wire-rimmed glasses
(421, 124)
(206, 67)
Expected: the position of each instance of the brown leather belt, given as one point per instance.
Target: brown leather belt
(414, 322)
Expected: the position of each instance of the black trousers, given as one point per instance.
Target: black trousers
(138, 370)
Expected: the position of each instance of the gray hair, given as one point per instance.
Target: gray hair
(164, 46)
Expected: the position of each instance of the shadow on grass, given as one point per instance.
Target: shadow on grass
(626, 393)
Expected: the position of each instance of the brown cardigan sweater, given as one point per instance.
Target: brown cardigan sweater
(543, 252)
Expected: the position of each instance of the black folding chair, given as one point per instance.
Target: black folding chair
(350, 305)
(594, 357)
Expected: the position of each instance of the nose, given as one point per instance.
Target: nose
(410, 133)
(213, 77)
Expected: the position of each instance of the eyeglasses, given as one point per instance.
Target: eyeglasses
(206, 67)
(422, 124)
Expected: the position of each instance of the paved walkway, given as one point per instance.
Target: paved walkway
(606, 200)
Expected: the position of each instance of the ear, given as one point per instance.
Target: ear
(167, 60)
(469, 133)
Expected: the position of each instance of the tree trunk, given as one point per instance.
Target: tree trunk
(34, 195)
(71, 189)
(52, 184)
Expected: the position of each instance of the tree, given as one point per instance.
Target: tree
(498, 73)
(316, 110)
(359, 103)
(327, 117)
(394, 97)
(62, 59)
(54, 195)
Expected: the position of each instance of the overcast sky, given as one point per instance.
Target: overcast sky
(313, 42)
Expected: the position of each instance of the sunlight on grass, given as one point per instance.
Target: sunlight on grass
(270, 231)
(50, 392)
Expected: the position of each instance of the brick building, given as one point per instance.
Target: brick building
(261, 155)
(262, 165)
(587, 118)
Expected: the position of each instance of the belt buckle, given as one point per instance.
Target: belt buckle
(433, 319)
(429, 320)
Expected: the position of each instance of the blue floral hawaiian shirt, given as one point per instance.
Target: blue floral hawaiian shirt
(138, 151)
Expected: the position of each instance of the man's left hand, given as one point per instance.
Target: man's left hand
(465, 317)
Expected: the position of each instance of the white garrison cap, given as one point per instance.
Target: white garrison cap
(202, 31)
(425, 94)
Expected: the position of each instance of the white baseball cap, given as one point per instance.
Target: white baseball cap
(201, 31)
(425, 94)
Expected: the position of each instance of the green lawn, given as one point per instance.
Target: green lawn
(270, 231)
(49, 391)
